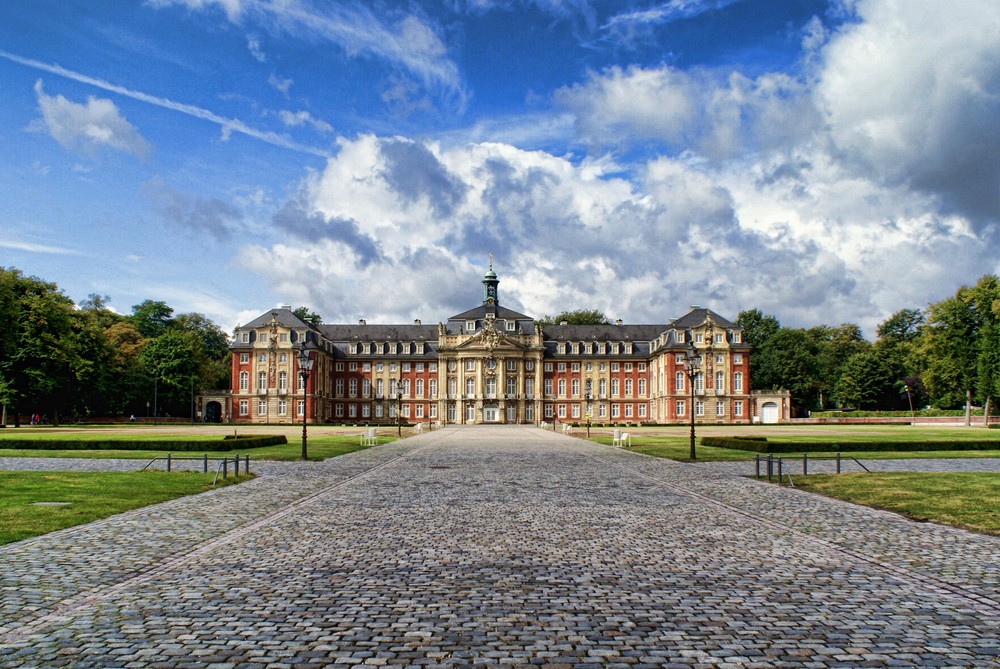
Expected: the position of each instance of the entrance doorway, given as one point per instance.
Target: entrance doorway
(491, 414)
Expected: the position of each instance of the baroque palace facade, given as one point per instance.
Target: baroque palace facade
(488, 365)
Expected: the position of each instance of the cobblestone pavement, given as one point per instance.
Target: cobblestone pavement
(501, 546)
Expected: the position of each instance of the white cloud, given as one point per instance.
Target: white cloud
(407, 41)
(301, 118)
(88, 127)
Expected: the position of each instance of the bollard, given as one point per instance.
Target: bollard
(770, 467)
(756, 466)
(168, 462)
(780, 470)
(805, 464)
(204, 464)
(246, 464)
(838, 462)
(225, 467)
(236, 466)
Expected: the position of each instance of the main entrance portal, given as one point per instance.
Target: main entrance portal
(491, 414)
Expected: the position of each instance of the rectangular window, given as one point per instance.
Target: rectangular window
(562, 410)
(615, 410)
(419, 367)
(470, 326)
(245, 337)
(261, 407)
(738, 408)
(575, 411)
(720, 409)
(628, 367)
(628, 410)
(366, 411)
(719, 338)
(561, 367)
(352, 367)
(614, 367)
(511, 326)
(548, 411)
(433, 411)
(681, 408)
(339, 411)
(352, 410)
(737, 358)
(699, 408)
(470, 365)
(244, 358)
(406, 366)
(244, 407)
(699, 338)
(642, 411)
(340, 366)
(419, 409)
(511, 365)
(282, 407)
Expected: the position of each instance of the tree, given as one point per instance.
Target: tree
(39, 356)
(788, 360)
(834, 347)
(903, 326)
(170, 363)
(868, 380)
(578, 317)
(948, 347)
(758, 329)
(310, 317)
(151, 318)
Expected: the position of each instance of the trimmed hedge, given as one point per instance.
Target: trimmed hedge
(229, 443)
(761, 445)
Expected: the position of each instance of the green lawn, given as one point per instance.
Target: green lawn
(90, 496)
(676, 446)
(968, 500)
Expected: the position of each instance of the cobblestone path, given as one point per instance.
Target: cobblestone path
(501, 546)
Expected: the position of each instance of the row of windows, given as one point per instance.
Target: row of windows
(592, 348)
(602, 411)
(680, 408)
(589, 366)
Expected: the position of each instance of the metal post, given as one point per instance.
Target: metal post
(756, 466)
(236, 466)
(770, 467)
(780, 470)
(246, 464)
(805, 464)
(204, 463)
(838, 462)
(225, 467)
(168, 462)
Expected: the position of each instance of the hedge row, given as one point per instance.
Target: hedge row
(923, 413)
(761, 445)
(230, 443)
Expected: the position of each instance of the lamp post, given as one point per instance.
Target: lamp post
(909, 398)
(399, 407)
(305, 366)
(690, 360)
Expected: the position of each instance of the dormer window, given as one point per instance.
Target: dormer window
(470, 326)
(511, 326)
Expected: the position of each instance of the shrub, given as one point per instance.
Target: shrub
(228, 443)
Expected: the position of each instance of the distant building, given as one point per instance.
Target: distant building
(489, 364)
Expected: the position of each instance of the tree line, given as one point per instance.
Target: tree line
(945, 356)
(61, 360)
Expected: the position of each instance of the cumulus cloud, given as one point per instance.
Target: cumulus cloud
(88, 127)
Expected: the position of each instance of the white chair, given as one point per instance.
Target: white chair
(565, 428)
(616, 440)
(369, 438)
(419, 428)
(626, 439)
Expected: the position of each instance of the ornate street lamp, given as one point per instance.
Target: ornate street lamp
(305, 366)
(690, 367)
(399, 407)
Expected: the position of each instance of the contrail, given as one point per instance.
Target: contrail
(228, 125)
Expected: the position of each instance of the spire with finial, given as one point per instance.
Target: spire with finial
(490, 283)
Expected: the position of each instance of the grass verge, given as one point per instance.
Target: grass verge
(967, 500)
(27, 497)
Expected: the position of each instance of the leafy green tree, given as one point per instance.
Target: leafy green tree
(308, 316)
(789, 360)
(758, 329)
(834, 347)
(151, 318)
(577, 317)
(948, 348)
(171, 366)
(39, 356)
(868, 380)
(903, 326)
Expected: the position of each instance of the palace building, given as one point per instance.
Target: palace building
(489, 364)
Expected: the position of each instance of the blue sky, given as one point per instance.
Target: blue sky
(824, 161)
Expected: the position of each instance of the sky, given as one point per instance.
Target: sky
(825, 162)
